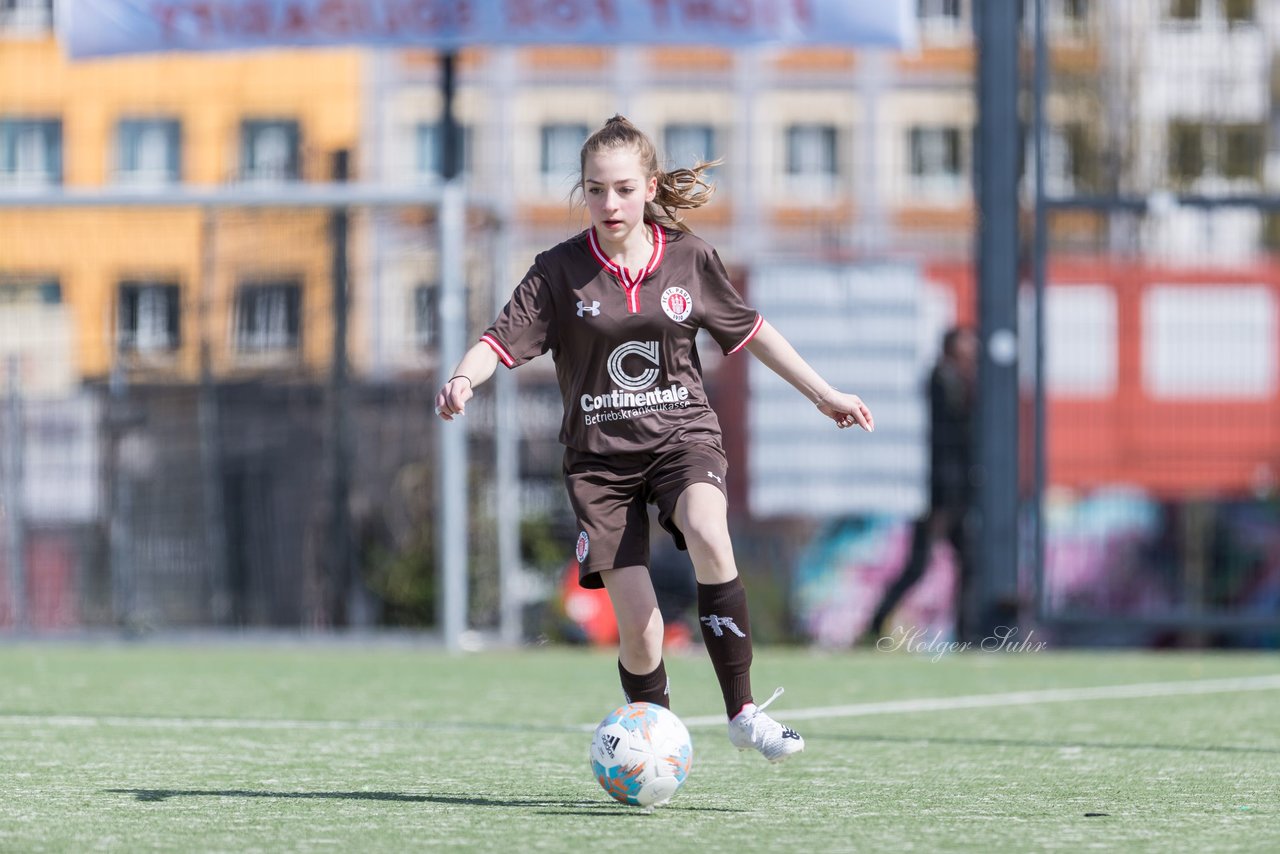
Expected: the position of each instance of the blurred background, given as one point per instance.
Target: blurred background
(217, 414)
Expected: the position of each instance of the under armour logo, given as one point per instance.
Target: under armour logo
(594, 308)
(716, 624)
(787, 732)
(716, 476)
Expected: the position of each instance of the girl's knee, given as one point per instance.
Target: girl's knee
(708, 536)
(642, 636)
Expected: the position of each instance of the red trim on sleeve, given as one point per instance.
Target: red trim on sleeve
(496, 346)
(752, 334)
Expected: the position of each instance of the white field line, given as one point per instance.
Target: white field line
(890, 707)
(1020, 698)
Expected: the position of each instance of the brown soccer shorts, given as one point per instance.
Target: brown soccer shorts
(610, 495)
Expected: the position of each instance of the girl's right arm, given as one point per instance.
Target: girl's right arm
(476, 366)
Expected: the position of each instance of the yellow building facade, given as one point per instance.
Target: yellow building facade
(147, 287)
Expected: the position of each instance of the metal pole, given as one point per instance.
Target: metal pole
(339, 563)
(1039, 260)
(14, 531)
(506, 426)
(372, 166)
(277, 196)
(450, 136)
(507, 462)
(452, 523)
(124, 574)
(869, 234)
(223, 608)
(997, 422)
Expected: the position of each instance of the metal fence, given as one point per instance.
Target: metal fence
(1155, 324)
(231, 468)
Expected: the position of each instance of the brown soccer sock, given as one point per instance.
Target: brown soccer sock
(726, 631)
(650, 688)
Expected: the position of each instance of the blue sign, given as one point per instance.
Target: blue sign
(90, 28)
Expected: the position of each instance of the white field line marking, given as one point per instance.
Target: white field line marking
(1020, 698)
(889, 707)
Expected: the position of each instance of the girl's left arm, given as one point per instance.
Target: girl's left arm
(771, 348)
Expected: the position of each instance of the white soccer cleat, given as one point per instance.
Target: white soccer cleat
(753, 728)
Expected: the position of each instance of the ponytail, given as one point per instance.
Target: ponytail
(680, 189)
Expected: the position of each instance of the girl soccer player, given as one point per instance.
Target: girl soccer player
(619, 306)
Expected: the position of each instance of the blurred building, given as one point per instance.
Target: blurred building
(126, 499)
(144, 288)
(829, 155)
(1161, 329)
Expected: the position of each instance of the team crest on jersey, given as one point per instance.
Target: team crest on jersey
(584, 546)
(677, 303)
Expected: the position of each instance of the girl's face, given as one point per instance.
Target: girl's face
(616, 189)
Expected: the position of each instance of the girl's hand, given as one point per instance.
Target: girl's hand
(846, 410)
(452, 399)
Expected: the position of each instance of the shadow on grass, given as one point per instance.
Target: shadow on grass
(623, 812)
(550, 806)
(400, 797)
(1030, 742)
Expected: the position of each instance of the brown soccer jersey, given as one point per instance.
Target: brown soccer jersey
(624, 346)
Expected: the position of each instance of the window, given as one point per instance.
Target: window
(26, 16)
(267, 317)
(30, 152)
(1081, 340)
(1235, 12)
(811, 151)
(30, 290)
(940, 18)
(269, 150)
(148, 151)
(1234, 151)
(1238, 11)
(426, 316)
(1070, 164)
(1242, 151)
(148, 317)
(1063, 18)
(687, 144)
(1271, 232)
(561, 148)
(1082, 163)
(1076, 10)
(936, 162)
(1209, 341)
(1186, 151)
(428, 154)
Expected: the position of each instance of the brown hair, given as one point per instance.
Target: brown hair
(679, 189)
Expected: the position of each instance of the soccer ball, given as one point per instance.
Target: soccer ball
(641, 754)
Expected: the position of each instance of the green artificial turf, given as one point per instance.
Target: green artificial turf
(330, 747)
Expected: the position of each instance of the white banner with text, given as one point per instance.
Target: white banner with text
(90, 28)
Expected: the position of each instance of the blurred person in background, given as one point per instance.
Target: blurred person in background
(619, 306)
(951, 388)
